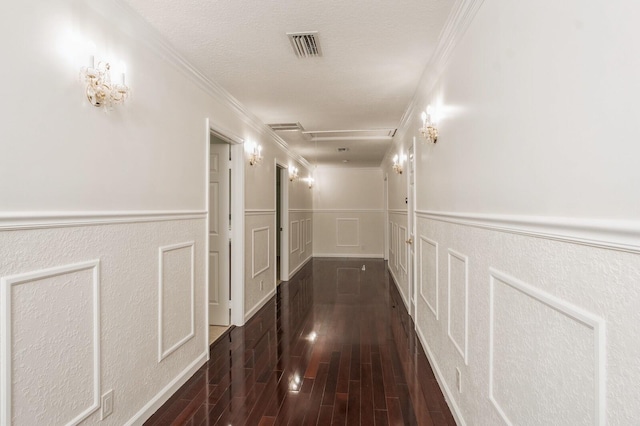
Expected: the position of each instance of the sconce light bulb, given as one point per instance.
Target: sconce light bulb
(424, 116)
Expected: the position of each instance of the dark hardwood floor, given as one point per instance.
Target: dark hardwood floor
(334, 346)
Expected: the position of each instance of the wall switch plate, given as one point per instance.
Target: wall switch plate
(458, 380)
(107, 405)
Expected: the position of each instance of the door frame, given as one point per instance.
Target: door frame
(411, 225)
(236, 209)
(282, 168)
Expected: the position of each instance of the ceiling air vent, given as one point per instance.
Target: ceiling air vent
(283, 127)
(343, 149)
(305, 45)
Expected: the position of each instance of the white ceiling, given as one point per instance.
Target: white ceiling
(374, 53)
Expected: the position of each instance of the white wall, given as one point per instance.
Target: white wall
(527, 232)
(348, 212)
(101, 212)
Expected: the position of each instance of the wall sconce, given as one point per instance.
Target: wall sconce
(310, 181)
(397, 163)
(255, 154)
(100, 90)
(428, 129)
(293, 173)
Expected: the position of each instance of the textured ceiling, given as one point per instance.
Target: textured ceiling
(374, 53)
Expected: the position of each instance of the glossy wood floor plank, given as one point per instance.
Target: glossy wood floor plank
(335, 346)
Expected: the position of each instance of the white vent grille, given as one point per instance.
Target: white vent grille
(305, 45)
(279, 127)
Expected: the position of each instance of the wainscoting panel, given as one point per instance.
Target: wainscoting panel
(347, 232)
(557, 350)
(176, 295)
(458, 302)
(309, 231)
(260, 250)
(49, 343)
(294, 232)
(402, 247)
(428, 274)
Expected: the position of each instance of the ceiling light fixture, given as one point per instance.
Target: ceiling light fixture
(100, 90)
(428, 129)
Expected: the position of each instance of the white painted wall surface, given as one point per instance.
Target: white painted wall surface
(531, 183)
(348, 216)
(114, 187)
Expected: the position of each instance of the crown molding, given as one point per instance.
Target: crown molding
(127, 20)
(459, 19)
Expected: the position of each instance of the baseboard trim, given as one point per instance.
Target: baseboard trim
(40, 220)
(259, 305)
(156, 402)
(453, 406)
(621, 235)
(350, 255)
(395, 282)
(299, 267)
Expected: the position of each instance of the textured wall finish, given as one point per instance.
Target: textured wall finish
(458, 301)
(53, 326)
(294, 235)
(428, 286)
(260, 250)
(298, 258)
(48, 343)
(176, 297)
(347, 232)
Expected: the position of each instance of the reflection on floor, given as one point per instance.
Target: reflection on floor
(334, 346)
(216, 331)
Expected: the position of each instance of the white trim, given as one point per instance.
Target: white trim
(5, 337)
(309, 231)
(301, 210)
(351, 255)
(348, 219)
(238, 165)
(464, 353)
(405, 300)
(259, 212)
(291, 239)
(402, 242)
(207, 235)
(436, 310)
(348, 211)
(448, 395)
(622, 235)
(574, 312)
(171, 388)
(398, 211)
(58, 219)
(304, 262)
(161, 251)
(255, 273)
(251, 312)
(303, 231)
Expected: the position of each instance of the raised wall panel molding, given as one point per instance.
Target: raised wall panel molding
(294, 236)
(570, 311)
(303, 230)
(123, 17)
(610, 234)
(342, 229)
(396, 211)
(462, 347)
(301, 210)
(433, 305)
(162, 252)
(309, 230)
(257, 269)
(7, 345)
(402, 237)
(38, 220)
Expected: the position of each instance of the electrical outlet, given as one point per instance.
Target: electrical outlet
(261, 285)
(107, 404)
(458, 380)
(364, 268)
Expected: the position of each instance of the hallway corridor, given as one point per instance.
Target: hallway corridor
(335, 346)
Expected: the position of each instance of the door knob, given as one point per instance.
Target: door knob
(410, 241)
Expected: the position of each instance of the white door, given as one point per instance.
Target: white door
(219, 253)
(411, 232)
